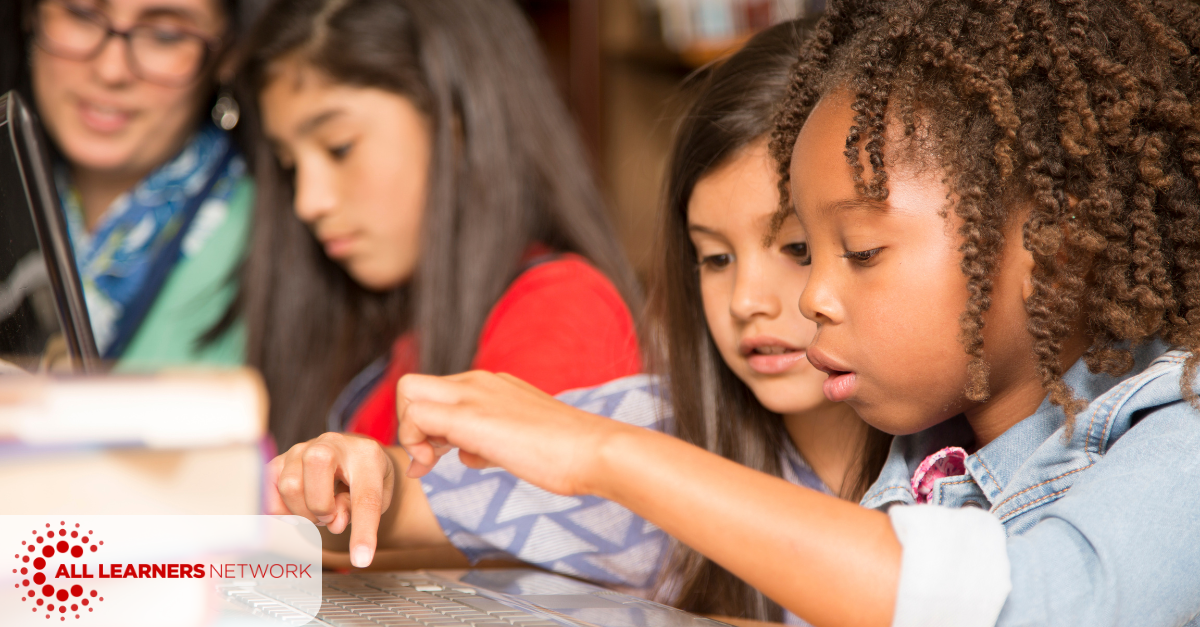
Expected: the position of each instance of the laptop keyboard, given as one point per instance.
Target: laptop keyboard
(382, 599)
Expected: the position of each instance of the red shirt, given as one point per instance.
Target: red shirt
(560, 325)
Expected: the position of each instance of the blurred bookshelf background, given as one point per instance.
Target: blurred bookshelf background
(620, 64)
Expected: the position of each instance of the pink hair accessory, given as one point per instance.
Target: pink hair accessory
(948, 462)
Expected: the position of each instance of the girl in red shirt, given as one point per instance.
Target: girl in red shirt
(421, 186)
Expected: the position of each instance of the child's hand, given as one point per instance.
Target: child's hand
(335, 480)
(499, 420)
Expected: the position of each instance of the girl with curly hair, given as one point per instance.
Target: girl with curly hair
(1002, 202)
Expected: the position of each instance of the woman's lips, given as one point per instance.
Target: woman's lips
(103, 119)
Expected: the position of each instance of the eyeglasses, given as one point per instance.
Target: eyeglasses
(161, 53)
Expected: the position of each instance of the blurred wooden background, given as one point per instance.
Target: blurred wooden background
(620, 64)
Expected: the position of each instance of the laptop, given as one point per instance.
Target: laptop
(463, 598)
(42, 309)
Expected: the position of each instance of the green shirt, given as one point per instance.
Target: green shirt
(194, 297)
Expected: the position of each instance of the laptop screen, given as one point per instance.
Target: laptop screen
(42, 315)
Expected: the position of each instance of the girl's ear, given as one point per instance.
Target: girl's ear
(1025, 262)
(1027, 284)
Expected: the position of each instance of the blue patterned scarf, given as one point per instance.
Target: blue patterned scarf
(115, 260)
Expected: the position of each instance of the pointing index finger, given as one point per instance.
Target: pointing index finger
(370, 496)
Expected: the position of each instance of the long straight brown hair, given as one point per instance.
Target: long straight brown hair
(735, 105)
(507, 171)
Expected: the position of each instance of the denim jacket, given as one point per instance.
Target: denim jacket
(1100, 526)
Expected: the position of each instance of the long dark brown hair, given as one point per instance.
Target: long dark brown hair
(507, 171)
(735, 104)
(1081, 112)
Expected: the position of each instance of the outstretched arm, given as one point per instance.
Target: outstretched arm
(826, 560)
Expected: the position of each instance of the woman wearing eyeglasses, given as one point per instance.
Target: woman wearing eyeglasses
(156, 195)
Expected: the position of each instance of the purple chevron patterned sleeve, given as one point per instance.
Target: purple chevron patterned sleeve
(490, 513)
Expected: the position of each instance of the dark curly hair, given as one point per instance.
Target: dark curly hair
(1084, 113)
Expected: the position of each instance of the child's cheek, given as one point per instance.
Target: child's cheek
(910, 363)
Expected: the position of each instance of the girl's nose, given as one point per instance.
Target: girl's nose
(818, 301)
(753, 293)
(315, 195)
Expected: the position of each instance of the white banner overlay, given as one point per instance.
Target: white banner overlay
(156, 571)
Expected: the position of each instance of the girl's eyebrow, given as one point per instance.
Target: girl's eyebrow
(699, 228)
(311, 124)
(854, 204)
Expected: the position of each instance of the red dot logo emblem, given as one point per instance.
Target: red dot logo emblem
(39, 558)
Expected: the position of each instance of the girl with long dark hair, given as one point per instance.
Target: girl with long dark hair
(421, 187)
(723, 301)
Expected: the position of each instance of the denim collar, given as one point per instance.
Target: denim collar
(1003, 462)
